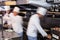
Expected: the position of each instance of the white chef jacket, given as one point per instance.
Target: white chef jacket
(34, 26)
(17, 22)
(6, 17)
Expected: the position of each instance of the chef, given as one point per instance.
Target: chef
(6, 15)
(17, 22)
(7, 20)
(34, 25)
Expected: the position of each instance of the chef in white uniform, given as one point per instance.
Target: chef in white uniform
(6, 15)
(7, 20)
(34, 25)
(17, 22)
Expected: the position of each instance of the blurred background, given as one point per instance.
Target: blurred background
(50, 22)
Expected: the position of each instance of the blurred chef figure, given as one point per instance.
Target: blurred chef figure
(34, 25)
(6, 15)
(17, 22)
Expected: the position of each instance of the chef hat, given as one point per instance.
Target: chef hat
(16, 9)
(41, 11)
(7, 8)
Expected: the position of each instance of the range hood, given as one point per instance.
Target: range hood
(34, 2)
(40, 3)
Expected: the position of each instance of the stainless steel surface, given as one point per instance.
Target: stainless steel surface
(8, 35)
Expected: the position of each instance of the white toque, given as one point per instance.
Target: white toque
(16, 9)
(41, 10)
(7, 8)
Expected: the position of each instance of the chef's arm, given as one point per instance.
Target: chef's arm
(4, 21)
(6, 18)
(40, 29)
(20, 20)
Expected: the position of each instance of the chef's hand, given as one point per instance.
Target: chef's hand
(5, 25)
(49, 36)
(10, 26)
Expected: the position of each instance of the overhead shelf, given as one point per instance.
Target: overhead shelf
(53, 12)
